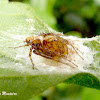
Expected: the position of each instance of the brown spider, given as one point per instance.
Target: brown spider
(50, 46)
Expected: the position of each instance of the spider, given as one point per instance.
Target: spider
(50, 46)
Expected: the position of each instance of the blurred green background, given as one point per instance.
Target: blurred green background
(80, 18)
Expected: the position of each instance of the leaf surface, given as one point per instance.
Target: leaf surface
(18, 21)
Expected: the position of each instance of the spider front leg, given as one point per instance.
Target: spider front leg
(30, 53)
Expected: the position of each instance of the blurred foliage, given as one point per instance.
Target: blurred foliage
(69, 15)
(44, 9)
(78, 15)
(82, 16)
(74, 33)
(69, 92)
(17, 0)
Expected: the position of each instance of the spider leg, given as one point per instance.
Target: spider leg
(19, 46)
(79, 50)
(68, 43)
(64, 63)
(76, 50)
(64, 57)
(30, 53)
(49, 57)
(60, 55)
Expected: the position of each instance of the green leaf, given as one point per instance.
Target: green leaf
(44, 9)
(18, 21)
(92, 78)
(84, 79)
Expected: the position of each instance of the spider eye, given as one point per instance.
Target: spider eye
(28, 41)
